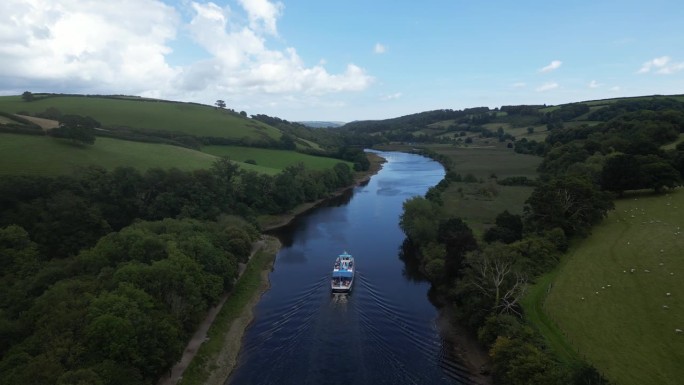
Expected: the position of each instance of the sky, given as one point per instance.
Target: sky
(345, 60)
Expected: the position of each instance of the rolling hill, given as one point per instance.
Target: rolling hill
(149, 115)
(147, 133)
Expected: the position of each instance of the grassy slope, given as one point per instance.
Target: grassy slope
(273, 159)
(477, 209)
(624, 330)
(193, 119)
(40, 155)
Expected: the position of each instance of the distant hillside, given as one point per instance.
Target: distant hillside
(321, 124)
(145, 133)
(146, 115)
(482, 125)
(141, 119)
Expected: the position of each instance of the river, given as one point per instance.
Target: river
(385, 331)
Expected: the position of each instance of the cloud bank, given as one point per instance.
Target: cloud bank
(90, 46)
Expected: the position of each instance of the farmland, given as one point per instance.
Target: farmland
(149, 115)
(41, 155)
(610, 297)
(270, 158)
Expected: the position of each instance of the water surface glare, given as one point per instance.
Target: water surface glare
(384, 332)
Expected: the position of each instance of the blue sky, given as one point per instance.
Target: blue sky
(343, 61)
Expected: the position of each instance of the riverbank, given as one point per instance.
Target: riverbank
(272, 222)
(465, 346)
(210, 357)
(212, 352)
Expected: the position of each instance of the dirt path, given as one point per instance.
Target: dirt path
(467, 347)
(45, 124)
(200, 335)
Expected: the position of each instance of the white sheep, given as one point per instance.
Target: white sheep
(647, 271)
(668, 294)
(678, 330)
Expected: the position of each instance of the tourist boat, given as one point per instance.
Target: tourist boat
(343, 273)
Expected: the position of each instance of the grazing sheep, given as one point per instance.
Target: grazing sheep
(607, 285)
(632, 270)
(665, 307)
(678, 330)
(668, 294)
(647, 271)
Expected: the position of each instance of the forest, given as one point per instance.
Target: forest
(583, 170)
(104, 275)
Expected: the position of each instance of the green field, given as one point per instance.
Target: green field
(192, 119)
(478, 204)
(41, 155)
(627, 330)
(275, 160)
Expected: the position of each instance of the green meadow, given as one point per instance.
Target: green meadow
(41, 155)
(272, 159)
(610, 296)
(479, 203)
(191, 119)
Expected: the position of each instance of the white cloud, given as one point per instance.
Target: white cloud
(661, 65)
(393, 96)
(547, 87)
(554, 65)
(379, 48)
(243, 63)
(519, 85)
(615, 89)
(91, 46)
(594, 84)
(263, 14)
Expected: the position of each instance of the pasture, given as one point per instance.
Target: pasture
(619, 295)
(46, 156)
(191, 119)
(271, 159)
(479, 203)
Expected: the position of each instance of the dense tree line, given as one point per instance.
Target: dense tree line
(104, 275)
(485, 279)
(117, 313)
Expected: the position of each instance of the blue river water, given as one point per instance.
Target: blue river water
(385, 331)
